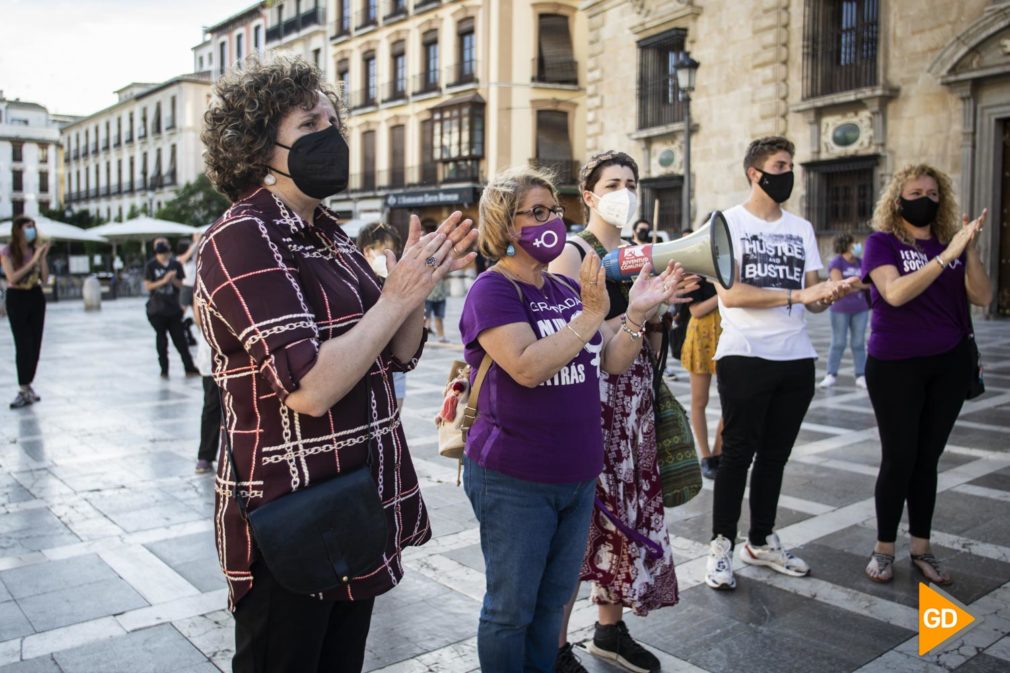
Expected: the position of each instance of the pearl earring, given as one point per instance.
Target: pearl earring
(510, 251)
(269, 180)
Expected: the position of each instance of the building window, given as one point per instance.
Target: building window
(429, 169)
(368, 160)
(129, 130)
(840, 195)
(108, 178)
(667, 191)
(199, 67)
(170, 174)
(156, 122)
(840, 43)
(142, 131)
(17, 207)
(554, 147)
(170, 123)
(156, 176)
(118, 140)
(129, 176)
(43, 206)
(16, 151)
(17, 181)
(223, 57)
(344, 17)
(239, 48)
(43, 154)
(43, 182)
(398, 87)
(257, 38)
(371, 88)
(397, 144)
(555, 59)
(430, 47)
(143, 171)
(458, 139)
(315, 57)
(344, 77)
(466, 68)
(369, 12)
(119, 176)
(658, 95)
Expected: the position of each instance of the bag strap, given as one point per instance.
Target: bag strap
(470, 412)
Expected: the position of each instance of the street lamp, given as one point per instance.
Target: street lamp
(686, 68)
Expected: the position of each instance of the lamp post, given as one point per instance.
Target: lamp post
(686, 68)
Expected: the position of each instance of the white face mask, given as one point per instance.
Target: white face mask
(618, 208)
(377, 260)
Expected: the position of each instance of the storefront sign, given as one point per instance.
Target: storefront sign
(432, 197)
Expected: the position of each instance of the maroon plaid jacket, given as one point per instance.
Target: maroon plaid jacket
(270, 288)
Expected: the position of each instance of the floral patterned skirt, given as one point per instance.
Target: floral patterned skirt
(623, 571)
(700, 343)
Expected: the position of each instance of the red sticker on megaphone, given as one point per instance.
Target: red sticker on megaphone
(632, 259)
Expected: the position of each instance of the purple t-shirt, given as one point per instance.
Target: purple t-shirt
(850, 303)
(932, 323)
(550, 433)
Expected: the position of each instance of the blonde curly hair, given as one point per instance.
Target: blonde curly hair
(499, 203)
(887, 218)
(240, 126)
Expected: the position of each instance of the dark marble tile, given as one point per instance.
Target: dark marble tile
(32, 530)
(972, 517)
(40, 665)
(983, 663)
(999, 416)
(13, 623)
(868, 453)
(991, 440)
(825, 485)
(83, 602)
(160, 649)
(998, 480)
(470, 556)
(63, 575)
(840, 418)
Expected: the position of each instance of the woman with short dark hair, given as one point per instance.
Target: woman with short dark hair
(849, 314)
(305, 339)
(26, 268)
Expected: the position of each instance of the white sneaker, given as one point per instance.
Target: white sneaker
(828, 381)
(773, 556)
(719, 573)
(861, 382)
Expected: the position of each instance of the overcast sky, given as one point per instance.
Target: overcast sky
(71, 55)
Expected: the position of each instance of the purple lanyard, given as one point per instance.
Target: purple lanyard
(652, 548)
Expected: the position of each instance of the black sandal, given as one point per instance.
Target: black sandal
(884, 564)
(933, 563)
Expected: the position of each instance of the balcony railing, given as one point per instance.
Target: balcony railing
(141, 133)
(77, 153)
(128, 138)
(425, 4)
(105, 190)
(93, 193)
(392, 177)
(156, 181)
(393, 10)
(143, 183)
(170, 125)
(363, 98)
(129, 187)
(363, 182)
(94, 147)
(156, 127)
(461, 74)
(105, 144)
(295, 25)
(555, 71)
(342, 26)
(273, 33)
(566, 171)
(659, 104)
(365, 19)
(426, 82)
(395, 91)
(169, 179)
(117, 141)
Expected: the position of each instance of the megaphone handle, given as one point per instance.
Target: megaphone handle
(655, 220)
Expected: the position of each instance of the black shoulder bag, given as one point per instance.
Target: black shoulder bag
(319, 538)
(976, 384)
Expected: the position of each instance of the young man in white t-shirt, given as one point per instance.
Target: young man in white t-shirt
(765, 361)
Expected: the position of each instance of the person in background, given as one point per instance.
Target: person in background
(849, 314)
(642, 232)
(925, 269)
(698, 358)
(186, 255)
(210, 417)
(628, 570)
(373, 241)
(434, 305)
(536, 447)
(163, 280)
(678, 321)
(25, 263)
(765, 360)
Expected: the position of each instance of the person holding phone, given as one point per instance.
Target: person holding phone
(26, 267)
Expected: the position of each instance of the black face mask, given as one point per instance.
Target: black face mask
(162, 249)
(778, 186)
(643, 234)
(920, 212)
(318, 163)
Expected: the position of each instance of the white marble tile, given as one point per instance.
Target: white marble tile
(451, 573)
(213, 634)
(444, 543)
(688, 548)
(900, 662)
(456, 658)
(151, 577)
(983, 492)
(70, 636)
(1000, 649)
(829, 443)
(170, 611)
(9, 562)
(10, 651)
(837, 464)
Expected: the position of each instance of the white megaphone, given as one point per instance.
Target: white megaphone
(707, 252)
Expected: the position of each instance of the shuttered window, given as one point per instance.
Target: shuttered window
(368, 160)
(555, 59)
(397, 171)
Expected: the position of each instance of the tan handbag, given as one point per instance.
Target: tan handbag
(459, 409)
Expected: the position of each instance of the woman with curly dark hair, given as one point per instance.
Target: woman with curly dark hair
(305, 339)
(26, 269)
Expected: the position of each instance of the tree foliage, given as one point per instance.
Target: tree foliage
(196, 203)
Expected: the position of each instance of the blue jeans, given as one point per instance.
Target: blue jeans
(842, 324)
(533, 537)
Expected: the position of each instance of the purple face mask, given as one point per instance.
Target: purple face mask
(545, 241)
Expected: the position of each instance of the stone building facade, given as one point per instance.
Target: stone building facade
(30, 167)
(863, 87)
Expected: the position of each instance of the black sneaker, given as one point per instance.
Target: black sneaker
(22, 400)
(613, 642)
(567, 662)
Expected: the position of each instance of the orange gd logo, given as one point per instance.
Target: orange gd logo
(941, 617)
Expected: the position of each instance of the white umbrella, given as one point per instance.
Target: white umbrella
(142, 228)
(57, 231)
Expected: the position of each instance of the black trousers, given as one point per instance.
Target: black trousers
(170, 325)
(26, 311)
(277, 631)
(210, 420)
(763, 405)
(916, 402)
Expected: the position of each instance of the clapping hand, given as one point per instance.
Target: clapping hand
(649, 291)
(428, 258)
(593, 279)
(966, 237)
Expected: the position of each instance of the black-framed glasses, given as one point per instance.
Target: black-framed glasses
(543, 213)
